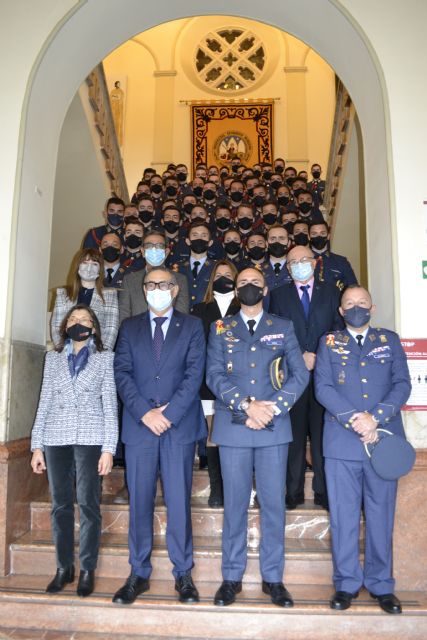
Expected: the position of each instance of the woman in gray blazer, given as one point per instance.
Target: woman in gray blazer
(87, 274)
(75, 436)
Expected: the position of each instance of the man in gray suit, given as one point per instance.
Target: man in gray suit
(131, 297)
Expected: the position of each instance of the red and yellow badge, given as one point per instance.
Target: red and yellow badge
(219, 327)
(330, 340)
(174, 268)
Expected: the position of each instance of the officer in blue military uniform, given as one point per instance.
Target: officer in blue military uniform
(362, 380)
(198, 267)
(253, 429)
(330, 267)
(113, 216)
(275, 270)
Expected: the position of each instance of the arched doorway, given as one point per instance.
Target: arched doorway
(87, 37)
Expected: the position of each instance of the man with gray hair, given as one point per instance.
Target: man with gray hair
(159, 367)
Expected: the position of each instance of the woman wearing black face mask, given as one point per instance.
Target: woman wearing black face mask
(87, 276)
(219, 301)
(74, 437)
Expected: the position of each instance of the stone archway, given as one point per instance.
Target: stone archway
(89, 35)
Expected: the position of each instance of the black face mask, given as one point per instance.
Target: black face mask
(259, 201)
(171, 191)
(198, 191)
(78, 332)
(111, 254)
(305, 207)
(267, 175)
(297, 192)
(114, 219)
(171, 226)
(223, 285)
(145, 216)
(257, 173)
(276, 184)
(288, 226)
(236, 196)
(283, 200)
(181, 176)
(289, 181)
(245, 223)
(277, 249)
(301, 239)
(316, 175)
(319, 242)
(188, 206)
(198, 219)
(232, 247)
(156, 188)
(269, 218)
(199, 245)
(223, 223)
(234, 168)
(250, 294)
(133, 241)
(209, 194)
(279, 169)
(256, 253)
(250, 192)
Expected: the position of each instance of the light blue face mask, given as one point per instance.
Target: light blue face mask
(155, 257)
(302, 271)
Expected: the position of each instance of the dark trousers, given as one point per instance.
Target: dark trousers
(68, 466)
(174, 461)
(306, 419)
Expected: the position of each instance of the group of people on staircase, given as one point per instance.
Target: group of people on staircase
(236, 262)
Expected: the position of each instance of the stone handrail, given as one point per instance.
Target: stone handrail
(343, 120)
(100, 102)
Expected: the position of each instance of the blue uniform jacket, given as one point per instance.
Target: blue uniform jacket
(143, 384)
(331, 267)
(238, 366)
(197, 287)
(349, 379)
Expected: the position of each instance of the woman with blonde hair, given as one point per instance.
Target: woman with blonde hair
(86, 287)
(219, 301)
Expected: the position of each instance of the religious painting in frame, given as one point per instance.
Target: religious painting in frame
(222, 132)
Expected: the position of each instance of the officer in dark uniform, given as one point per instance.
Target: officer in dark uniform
(317, 186)
(275, 270)
(362, 380)
(252, 428)
(330, 267)
(198, 267)
(113, 216)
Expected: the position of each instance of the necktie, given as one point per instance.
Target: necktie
(277, 269)
(359, 339)
(159, 338)
(195, 268)
(110, 275)
(251, 324)
(305, 299)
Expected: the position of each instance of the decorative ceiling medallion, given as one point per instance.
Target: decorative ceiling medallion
(230, 59)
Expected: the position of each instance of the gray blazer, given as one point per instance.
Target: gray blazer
(107, 313)
(82, 411)
(132, 300)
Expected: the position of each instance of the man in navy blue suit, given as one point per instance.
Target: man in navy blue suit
(159, 367)
(313, 308)
(362, 380)
(253, 429)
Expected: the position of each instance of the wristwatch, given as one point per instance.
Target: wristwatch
(244, 405)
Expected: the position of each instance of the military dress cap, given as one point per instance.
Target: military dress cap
(277, 373)
(392, 456)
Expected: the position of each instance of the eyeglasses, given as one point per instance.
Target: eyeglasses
(302, 261)
(86, 322)
(154, 245)
(163, 285)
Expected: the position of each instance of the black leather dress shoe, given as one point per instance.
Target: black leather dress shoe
(131, 589)
(388, 602)
(279, 595)
(292, 503)
(215, 501)
(203, 462)
(341, 600)
(186, 589)
(226, 594)
(62, 577)
(321, 500)
(86, 583)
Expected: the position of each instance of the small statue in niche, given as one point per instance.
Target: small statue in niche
(117, 96)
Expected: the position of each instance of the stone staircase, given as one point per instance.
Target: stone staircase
(25, 605)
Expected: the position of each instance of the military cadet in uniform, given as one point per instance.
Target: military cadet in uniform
(132, 259)
(275, 270)
(317, 186)
(362, 380)
(253, 429)
(330, 267)
(113, 216)
(111, 248)
(199, 267)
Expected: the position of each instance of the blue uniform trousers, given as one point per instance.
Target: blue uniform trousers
(238, 465)
(174, 462)
(351, 482)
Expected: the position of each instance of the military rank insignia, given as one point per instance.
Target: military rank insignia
(330, 340)
(219, 324)
(383, 338)
(341, 377)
